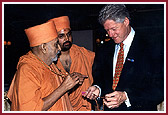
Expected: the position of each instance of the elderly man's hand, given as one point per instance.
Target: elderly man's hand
(80, 76)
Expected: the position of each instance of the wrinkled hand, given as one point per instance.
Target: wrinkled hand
(70, 81)
(91, 93)
(80, 76)
(115, 99)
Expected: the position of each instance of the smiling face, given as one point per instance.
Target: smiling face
(117, 31)
(65, 39)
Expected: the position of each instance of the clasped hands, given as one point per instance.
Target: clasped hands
(111, 100)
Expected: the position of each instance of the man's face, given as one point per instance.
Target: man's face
(53, 49)
(117, 31)
(65, 39)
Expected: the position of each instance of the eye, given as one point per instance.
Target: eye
(69, 33)
(114, 29)
(107, 30)
(61, 36)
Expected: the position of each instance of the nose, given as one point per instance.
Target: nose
(66, 38)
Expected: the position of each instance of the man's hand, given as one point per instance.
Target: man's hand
(115, 99)
(80, 76)
(91, 93)
(73, 79)
(70, 81)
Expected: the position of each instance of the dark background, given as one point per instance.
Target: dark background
(148, 18)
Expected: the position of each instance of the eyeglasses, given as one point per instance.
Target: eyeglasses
(63, 36)
(97, 107)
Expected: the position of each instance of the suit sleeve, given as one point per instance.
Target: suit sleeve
(98, 69)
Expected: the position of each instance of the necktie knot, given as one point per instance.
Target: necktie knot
(121, 45)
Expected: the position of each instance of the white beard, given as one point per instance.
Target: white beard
(56, 57)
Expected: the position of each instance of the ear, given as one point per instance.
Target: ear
(43, 48)
(126, 21)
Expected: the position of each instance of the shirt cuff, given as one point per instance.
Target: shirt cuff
(127, 102)
(99, 90)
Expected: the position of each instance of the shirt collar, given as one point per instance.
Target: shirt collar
(129, 38)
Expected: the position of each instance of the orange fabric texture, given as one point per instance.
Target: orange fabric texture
(41, 33)
(32, 82)
(61, 22)
(82, 60)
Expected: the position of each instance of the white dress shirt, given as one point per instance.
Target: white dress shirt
(127, 43)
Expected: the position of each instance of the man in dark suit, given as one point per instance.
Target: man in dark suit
(135, 82)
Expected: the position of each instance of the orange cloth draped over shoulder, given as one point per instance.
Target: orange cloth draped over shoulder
(82, 60)
(33, 80)
(31, 83)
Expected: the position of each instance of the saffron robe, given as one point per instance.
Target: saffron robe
(81, 62)
(31, 83)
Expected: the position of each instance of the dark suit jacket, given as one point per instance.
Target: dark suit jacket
(143, 79)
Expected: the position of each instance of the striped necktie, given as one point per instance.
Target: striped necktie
(119, 66)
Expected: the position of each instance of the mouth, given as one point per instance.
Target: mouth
(66, 44)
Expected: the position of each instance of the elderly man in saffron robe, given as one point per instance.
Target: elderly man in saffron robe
(36, 86)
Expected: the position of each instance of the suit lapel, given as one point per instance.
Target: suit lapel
(130, 60)
(128, 67)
